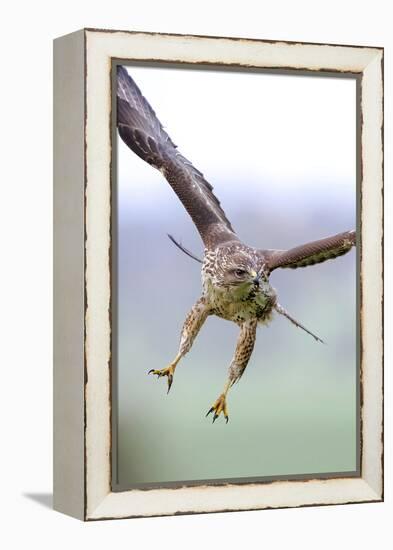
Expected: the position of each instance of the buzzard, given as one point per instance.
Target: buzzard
(235, 277)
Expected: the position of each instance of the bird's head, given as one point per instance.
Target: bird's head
(240, 270)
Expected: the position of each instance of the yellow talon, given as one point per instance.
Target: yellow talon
(168, 371)
(220, 406)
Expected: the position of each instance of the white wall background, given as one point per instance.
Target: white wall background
(25, 117)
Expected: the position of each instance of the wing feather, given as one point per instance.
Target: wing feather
(311, 253)
(143, 133)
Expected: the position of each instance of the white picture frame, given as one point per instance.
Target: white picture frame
(83, 63)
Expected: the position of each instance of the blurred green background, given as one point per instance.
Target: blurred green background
(294, 410)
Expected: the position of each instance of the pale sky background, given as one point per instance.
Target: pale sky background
(280, 152)
(275, 131)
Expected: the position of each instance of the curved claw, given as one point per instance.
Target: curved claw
(220, 406)
(164, 372)
(170, 380)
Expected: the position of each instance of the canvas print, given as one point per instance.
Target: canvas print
(235, 275)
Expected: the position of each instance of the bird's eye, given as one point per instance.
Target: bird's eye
(239, 272)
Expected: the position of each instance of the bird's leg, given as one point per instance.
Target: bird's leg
(193, 323)
(244, 347)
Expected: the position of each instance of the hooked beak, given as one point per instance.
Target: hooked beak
(255, 278)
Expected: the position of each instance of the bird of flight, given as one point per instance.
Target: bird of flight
(235, 277)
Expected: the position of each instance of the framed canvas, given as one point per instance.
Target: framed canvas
(291, 137)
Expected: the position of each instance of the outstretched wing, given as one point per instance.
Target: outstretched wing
(141, 130)
(310, 253)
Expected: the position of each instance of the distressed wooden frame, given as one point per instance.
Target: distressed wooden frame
(82, 239)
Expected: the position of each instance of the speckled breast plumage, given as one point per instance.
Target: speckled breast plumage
(227, 303)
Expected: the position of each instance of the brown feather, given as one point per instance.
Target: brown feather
(310, 253)
(143, 133)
